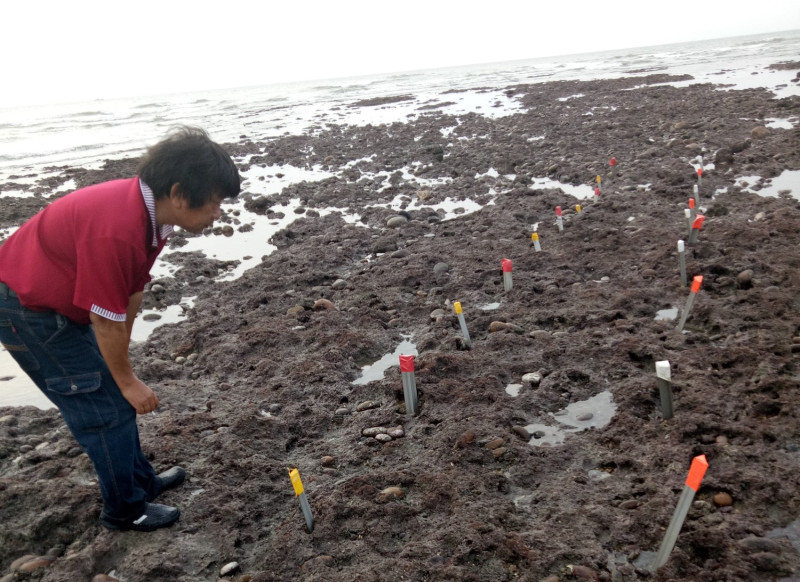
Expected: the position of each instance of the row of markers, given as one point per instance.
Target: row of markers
(699, 463)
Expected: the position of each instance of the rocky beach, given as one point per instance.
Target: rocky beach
(539, 451)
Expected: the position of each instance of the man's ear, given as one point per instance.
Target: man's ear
(176, 194)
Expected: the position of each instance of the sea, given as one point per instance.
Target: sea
(36, 142)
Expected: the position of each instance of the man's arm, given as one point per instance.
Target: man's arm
(134, 303)
(113, 338)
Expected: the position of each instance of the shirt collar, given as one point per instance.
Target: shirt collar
(150, 202)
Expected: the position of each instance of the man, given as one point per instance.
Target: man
(71, 282)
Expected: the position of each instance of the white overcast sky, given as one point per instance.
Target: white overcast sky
(54, 51)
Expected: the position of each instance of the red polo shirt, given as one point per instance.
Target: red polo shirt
(86, 252)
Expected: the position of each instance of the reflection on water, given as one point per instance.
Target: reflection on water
(376, 370)
(595, 412)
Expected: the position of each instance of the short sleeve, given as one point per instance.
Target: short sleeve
(106, 276)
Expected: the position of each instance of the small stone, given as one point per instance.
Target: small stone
(795, 340)
(551, 579)
(366, 405)
(396, 221)
(180, 360)
(583, 573)
(723, 499)
(391, 493)
(227, 230)
(498, 326)
(745, 279)
(21, 560)
(103, 578)
(465, 439)
(499, 452)
(320, 304)
(295, 311)
(521, 432)
(437, 314)
(759, 132)
(328, 461)
(540, 334)
(495, 443)
(229, 568)
(34, 564)
(629, 504)
(383, 437)
(721, 440)
(25, 449)
(8, 419)
(151, 317)
(585, 416)
(374, 431)
(343, 411)
(339, 284)
(532, 378)
(397, 432)
(441, 268)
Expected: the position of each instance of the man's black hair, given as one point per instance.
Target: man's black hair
(188, 157)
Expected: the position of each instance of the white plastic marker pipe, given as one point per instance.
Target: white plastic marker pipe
(300, 492)
(687, 214)
(664, 376)
(696, 473)
(682, 259)
(409, 384)
(696, 192)
(599, 181)
(507, 266)
(462, 323)
(559, 219)
(696, 226)
(535, 238)
(687, 309)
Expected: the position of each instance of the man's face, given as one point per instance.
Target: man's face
(195, 220)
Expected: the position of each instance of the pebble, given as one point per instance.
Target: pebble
(441, 268)
(34, 564)
(583, 573)
(499, 452)
(495, 443)
(396, 433)
(396, 221)
(25, 449)
(339, 284)
(21, 560)
(103, 578)
(151, 317)
(629, 504)
(721, 440)
(745, 279)
(551, 579)
(498, 326)
(723, 499)
(795, 340)
(540, 334)
(367, 405)
(8, 419)
(229, 568)
(383, 438)
(465, 439)
(391, 493)
(374, 431)
(323, 304)
(521, 432)
(343, 411)
(328, 461)
(532, 378)
(585, 416)
(296, 310)
(437, 314)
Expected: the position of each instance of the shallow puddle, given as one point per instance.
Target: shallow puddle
(376, 370)
(667, 314)
(513, 389)
(594, 412)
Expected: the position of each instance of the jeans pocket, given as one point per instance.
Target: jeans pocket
(14, 345)
(84, 401)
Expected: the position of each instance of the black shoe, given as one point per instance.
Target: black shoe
(169, 479)
(155, 516)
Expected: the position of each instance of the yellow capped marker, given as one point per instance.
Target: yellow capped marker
(300, 492)
(462, 323)
(535, 239)
(598, 179)
(578, 208)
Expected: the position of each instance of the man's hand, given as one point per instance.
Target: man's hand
(113, 338)
(141, 397)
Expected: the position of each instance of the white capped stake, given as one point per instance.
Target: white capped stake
(682, 259)
(665, 388)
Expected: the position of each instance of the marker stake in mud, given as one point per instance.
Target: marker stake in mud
(300, 492)
(699, 176)
(682, 259)
(409, 384)
(697, 224)
(535, 238)
(696, 192)
(687, 214)
(596, 193)
(696, 474)
(687, 309)
(692, 211)
(559, 219)
(462, 323)
(599, 181)
(613, 163)
(507, 281)
(578, 209)
(665, 388)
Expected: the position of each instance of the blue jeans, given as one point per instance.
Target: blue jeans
(63, 360)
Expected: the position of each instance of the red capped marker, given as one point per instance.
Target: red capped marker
(559, 219)
(687, 309)
(507, 267)
(409, 384)
(696, 226)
